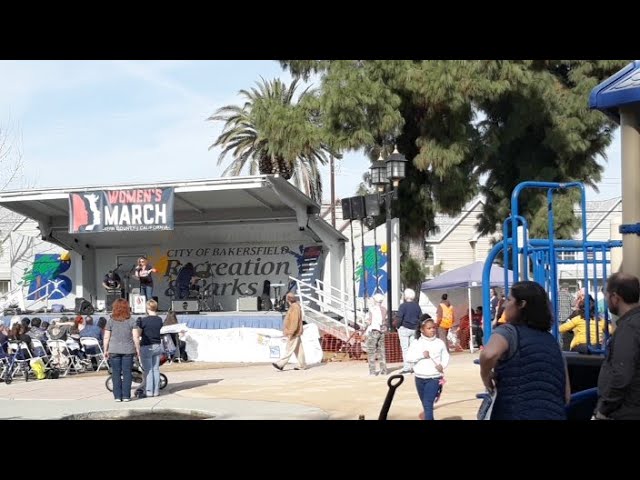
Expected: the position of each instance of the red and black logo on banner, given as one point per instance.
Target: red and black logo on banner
(138, 209)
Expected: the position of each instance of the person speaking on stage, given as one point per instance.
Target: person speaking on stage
(143, 271)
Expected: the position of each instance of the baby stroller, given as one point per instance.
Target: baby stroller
(137, 374)
(13, 362)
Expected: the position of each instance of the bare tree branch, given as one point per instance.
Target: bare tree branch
(12, 173)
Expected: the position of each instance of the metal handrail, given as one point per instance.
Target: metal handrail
(343, 308)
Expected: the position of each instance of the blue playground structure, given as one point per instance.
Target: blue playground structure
(541, 257)
(538, 259)
(618, 97)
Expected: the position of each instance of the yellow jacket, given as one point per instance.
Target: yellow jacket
(579, 327)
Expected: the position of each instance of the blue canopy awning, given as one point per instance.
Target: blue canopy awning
(620, 89)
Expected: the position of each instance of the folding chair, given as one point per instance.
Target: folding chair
(91, 344)
(4, 360)
(21, 357)
(38, 351)
(61, 357)
(78, 364)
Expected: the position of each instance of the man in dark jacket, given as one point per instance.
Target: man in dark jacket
(619, 379)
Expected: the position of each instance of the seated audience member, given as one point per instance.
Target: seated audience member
(91, 330)
(19, 334)
(36, 331)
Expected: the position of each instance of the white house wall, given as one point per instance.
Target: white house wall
(456, 249)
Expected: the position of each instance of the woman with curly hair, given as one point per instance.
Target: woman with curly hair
(121, 343)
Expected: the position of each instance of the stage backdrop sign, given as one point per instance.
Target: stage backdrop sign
(134, 210)
(231, 271)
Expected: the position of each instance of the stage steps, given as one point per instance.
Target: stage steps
(328, 325)
(309, 269)
(332, 315)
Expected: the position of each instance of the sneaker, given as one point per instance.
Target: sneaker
(126, 399)
(277, 366)
(384, 372)
(298, 368)
(118, 399)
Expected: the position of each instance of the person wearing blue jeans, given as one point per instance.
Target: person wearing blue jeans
(121, 368)
(121, 343)
(151, 348)
(429, 357)
(143, 271)
(427, 391)
(407, 321)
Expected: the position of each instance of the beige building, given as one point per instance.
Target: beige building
(458, 243)
(601, 216)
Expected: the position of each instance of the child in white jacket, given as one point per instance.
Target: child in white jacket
(430, 357)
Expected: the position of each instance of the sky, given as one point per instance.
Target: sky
(83, 123)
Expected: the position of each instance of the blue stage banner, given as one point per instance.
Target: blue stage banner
(134, 210)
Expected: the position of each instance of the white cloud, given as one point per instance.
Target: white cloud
(152, 74)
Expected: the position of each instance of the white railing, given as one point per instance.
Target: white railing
(328, 302)
(12, 296)
(334, 292)
(329, 324)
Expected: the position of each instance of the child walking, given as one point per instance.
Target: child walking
(430, 357)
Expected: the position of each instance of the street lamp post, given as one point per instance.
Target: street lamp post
(386, 175)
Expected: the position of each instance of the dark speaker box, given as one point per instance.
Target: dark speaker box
(83, 307)
(112, 297)
(372, 204)
(346, 209)
(357, 207)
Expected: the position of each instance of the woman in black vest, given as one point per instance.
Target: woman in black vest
(523, 362)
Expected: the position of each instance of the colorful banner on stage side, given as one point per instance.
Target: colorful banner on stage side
(133, 210)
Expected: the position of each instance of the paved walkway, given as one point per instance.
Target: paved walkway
(337, 390)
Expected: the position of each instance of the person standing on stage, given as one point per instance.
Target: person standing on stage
(184, 280)
(143, 271)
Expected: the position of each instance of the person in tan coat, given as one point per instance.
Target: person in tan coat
(293, 332)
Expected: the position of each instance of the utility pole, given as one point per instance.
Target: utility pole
(333, 192)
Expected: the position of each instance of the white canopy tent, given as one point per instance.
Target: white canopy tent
(460, 283)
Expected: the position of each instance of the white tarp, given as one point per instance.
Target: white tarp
(248, 345)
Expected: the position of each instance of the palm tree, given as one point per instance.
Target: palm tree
(270, 134)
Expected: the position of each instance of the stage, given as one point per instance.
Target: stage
(243, 337)
(203, 320)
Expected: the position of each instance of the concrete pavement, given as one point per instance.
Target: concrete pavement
(335, 390)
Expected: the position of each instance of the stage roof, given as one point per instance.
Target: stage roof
(263, 208)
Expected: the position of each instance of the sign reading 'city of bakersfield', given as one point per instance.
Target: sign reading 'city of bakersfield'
(137, 209)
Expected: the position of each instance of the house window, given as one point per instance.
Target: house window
(567, 256)
(429, 255)
(4, 286)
